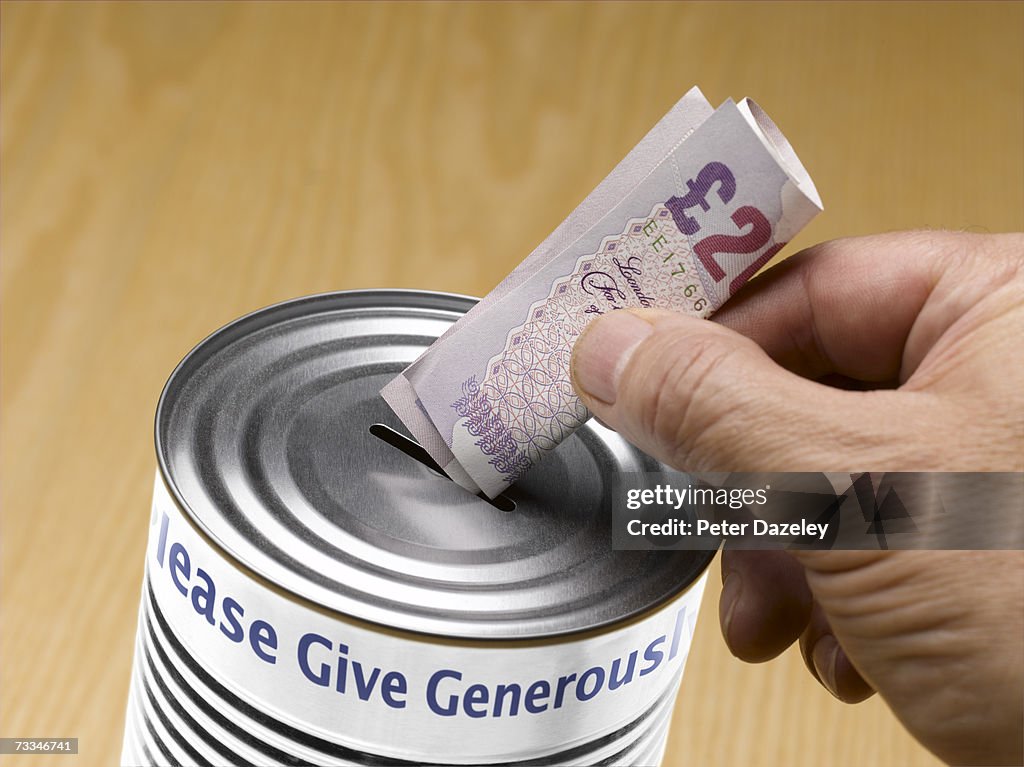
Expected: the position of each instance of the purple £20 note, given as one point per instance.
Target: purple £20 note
(701, 203)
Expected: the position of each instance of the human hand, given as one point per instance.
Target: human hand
(918, 334)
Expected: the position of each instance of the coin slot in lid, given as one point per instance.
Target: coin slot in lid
(263, 436)
(416, 451)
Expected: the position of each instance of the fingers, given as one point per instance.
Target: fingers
(845, 306)
(856, 306)
(701, 397)
(829, 663)
(765, 603)
(734, 395)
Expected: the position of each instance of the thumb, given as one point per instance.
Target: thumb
(701, 397)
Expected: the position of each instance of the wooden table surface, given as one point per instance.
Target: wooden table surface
(168, 167)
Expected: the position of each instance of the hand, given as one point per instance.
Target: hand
(897, 352)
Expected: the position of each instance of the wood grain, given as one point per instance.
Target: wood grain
(167, 167)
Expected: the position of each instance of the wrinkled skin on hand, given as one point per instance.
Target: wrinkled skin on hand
(895, 352)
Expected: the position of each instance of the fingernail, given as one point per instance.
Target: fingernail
(731, 589)
(824, 656)
(601, 353)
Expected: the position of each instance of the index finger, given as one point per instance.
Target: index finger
(843, 307)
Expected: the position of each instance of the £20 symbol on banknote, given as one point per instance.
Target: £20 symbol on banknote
(752, 241)
(705, 200)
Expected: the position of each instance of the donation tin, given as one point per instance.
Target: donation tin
(315, 592)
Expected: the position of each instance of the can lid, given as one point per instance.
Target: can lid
(263, 434)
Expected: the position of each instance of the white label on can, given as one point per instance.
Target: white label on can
(399, 695)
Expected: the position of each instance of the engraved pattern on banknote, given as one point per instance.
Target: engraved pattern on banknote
(525, 403)
(492, 436)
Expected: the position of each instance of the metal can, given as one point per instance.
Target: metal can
(315, 594)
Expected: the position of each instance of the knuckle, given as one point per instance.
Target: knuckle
(691, 412)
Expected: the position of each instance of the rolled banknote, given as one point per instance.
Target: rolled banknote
(694, 210)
